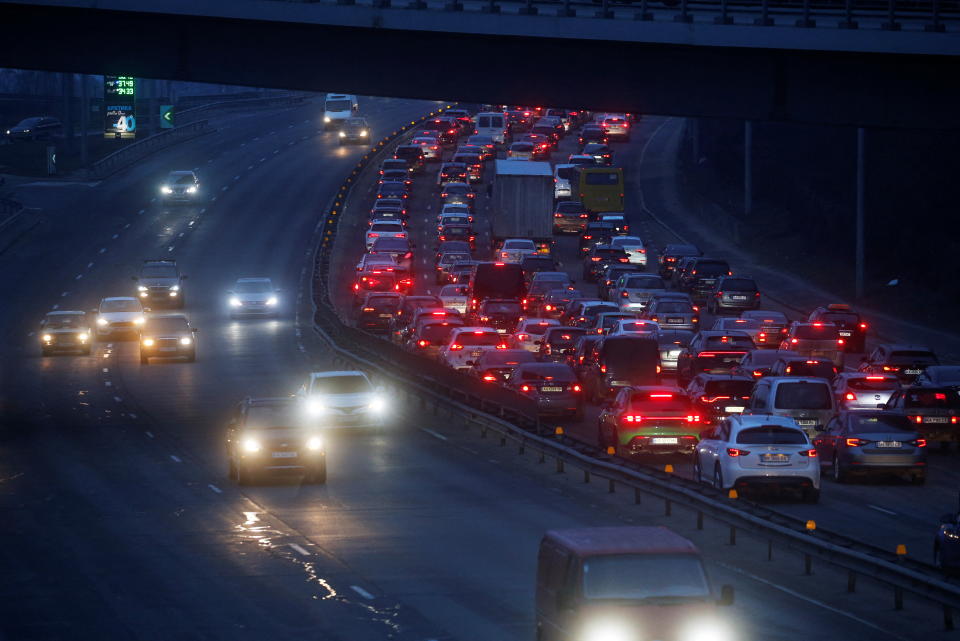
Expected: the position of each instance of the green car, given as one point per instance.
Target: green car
(650, 420)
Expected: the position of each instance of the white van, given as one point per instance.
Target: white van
(337, 108)
(491, 124)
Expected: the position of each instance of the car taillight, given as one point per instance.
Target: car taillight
(368, 309)
(456, 347)
(890, 368)
(525, 388)
(719, 294)
(489, 377)
(850, 396)
(585, 216)
(632, 418)
(693, 418)
(603, 369)
(625, 294)
(854, 442)
(914, 418)
(548, 308)
(732, 451)
(757, 373)
(920, 442)
(501, 346)
(575, 388)
(712, 399)
(794, 340)
(808, 453)
(864, 326)
(840, 341)
(558, 215)
(422, 343)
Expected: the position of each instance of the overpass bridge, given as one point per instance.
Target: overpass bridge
(839, 62)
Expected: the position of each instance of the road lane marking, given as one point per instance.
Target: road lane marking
(30, 334)
(201, 211)
(299, 549)
(434, 434)
(802, 597)
(176, 459)
(107, 383)
(106, 369)
(236, 177)
(78, 277)
(115, 236)
(141, 212)
(132, 415)
(170, 248)
(881, 509)
(149, 433)
(362, 592)
(214, 488)
(56, 306)
(224, 188)
(63, 295)
(103, 250)
(127, 226)
(117, 399)
(90, 264)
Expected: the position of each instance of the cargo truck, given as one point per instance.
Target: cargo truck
(522, 205)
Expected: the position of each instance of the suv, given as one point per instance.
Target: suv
(734, 293)
(850, 324)
(815, 339)
(161, 283)
(671, 255)
(808, 401)
(702, 275)
(180, 187)
(717, 395)
(413, 154)
(267, 435)
(906, 362)
(65, 331)
(562, 174)
(167, 336)
(342, 399)
(354, 130)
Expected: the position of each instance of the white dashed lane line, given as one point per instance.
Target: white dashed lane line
(148, 433)
(362, 592)
(103, 250)
(300, 549)
(214, 488)
(176, 459)
(881, 509)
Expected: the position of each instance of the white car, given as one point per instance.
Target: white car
(756, 450)
(514, 250)
(634, 247)
(633, 292)
(384, 229)
(561, 180)
(253, 297)
(467, 344)
(119, 315)
(636, 327)
(455, 297)
(430, 147)
(342, 399)
(530, 331)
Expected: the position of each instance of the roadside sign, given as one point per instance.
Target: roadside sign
(166, 116)
(119, 99)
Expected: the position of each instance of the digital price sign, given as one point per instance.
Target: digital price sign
(119, 99)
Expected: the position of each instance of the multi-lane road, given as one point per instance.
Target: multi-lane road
(118, 520)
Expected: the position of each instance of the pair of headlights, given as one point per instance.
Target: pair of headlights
(81, 337)
(169, 190)
(236, 302)
(316, 406)
(252, 445)
(149, 342)
(363, 132)
(103, 322)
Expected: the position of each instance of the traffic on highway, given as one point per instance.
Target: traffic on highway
(187, 456)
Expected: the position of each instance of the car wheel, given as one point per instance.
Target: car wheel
(718, 478)
(811, 495)
(697, 468)
(839, 473)
(144, 360)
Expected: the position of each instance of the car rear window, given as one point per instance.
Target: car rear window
(711, 267)
(607, 178)
(565, 337)
(546, 372)
(821, 369)
(437, 333)
(644, 282)
(884, 423)
(393, 227)
(565, 172)
(841, 318)
(932, 398)
(674, 308)
(803, 396)
(728, 388)
(813, 332)
(728, 342)
(659, 402)
(873, 384)
(501, 308)
(771, 435)
(480, 339)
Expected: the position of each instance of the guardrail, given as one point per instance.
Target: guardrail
(515, 422)
(932, 16)
(188, 115)
(123, 157)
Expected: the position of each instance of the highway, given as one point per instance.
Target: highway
(118, 520)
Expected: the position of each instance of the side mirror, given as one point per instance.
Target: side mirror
(726, 595)
(948, 519)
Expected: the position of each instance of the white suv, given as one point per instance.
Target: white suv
(467, 344)
(756, 450)
(343, 399)
(561, 181)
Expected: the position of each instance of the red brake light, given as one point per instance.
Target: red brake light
(840, 341)
(661, 396)
(854, 442)
(456, 347)
(876, 378)
(864, 326)
(632, 418)
(794, 340)
(850, 396)
(808, 453)
(921, 442)
(575, 387)
(489, 377)
(423, 343)
(915, 419)
(525, 388)
(732, 451)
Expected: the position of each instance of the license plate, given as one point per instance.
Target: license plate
(501, 331)
(774, 458)
(739, 297)
(620, 383)
(845, 333)
(674, 320)
(911, 372)
(386, 315)
(551, 389)
(934, 419)
(734, 409)
(477, 352)
(664, 440)
(806, 421)
(284, 455)
(889, 444)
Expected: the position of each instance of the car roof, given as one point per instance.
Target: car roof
(183, 172)
(636, 539)
(336, 373)
(253, 280)
(120, 298)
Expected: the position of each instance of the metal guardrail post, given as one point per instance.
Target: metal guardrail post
(724, 17)
(806, 21)
(528, 9)
(891, 24)
(605, 10)
(381, 4)
(491, 7)
(417, 4)
(566, 11)
(935, 24)
(764, 20)
(453, 5)
(684, 15)
(643, 14)
(848, 22)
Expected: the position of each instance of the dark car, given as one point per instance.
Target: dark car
(569, 217)
(851, 326)
(797, 365)
(451, 172)
(734, 293)
(581, 358)
(401, 249)
(160, 284)
(501, 314)
(496, 366)
(701, 276)
(496, 280)
(906, 362)
(404, 315)
(939, 375)
(535, 264)
(65, 331)
(717, 395)
(773, 325)
(871, 442)
(413, 154)
(269, 435)
(589, 311)
(556, 300)
(445, 264)
(712, 352)
(430, 336)
(592, 133)
(559, 343)
(934, 411)
(377, 311)
(396, 190)
(673, 313)
(757, 364)
(36, 128)
(167, 336)
(554, 387)
(622, 361)
(462, 233)
(599, 257)
(400, 176)
(595, 233)
(600, 152)
(670, 256)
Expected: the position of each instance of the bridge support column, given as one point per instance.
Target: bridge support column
(747, 167)
(84, 117)
(861, 179)
(66, 81)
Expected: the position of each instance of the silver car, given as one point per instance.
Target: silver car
(673, 312)
(634, 292)
(862, 391)
(253, 297)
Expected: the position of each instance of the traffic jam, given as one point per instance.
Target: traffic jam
(498, 244)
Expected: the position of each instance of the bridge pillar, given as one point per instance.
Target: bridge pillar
(747, 167)
(861, 180)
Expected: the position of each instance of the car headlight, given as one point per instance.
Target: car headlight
(271, 301)
(148, 342)
(377, 405)
(609, 631)
(166, 190)
(234, 301)
(314, 443)
(138, 320)
(363, 132)
(315, 407)
(173, 294)
(141, 288)
(251, 444)
(47, 337)
(326, 119)
(102, 322)
(186, 340)
(191, 190)
(706, 630)
(342, 134)
(83, 336)
(175, 288)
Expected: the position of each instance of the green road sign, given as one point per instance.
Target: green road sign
(166, 116)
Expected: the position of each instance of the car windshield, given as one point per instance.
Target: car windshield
(807, 395)
(166, 324)
(281, 415)
(65, 321)
(252, 287)
(946, 398)
(873, 384)
(771, 435)
(674, 307)
(181, 179)
(158, 271)
(339, 105)
(645, 576)
(120, 305)
(740, 324)
(729, 387)
(340, 385)
(816, 332)
(878, 423)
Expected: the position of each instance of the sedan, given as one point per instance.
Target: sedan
(554, 386)
(859, 391)
(870, 443)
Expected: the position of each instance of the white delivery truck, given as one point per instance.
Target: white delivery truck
(337, 108)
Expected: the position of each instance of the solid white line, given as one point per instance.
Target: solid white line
(201, 211)
(299, 549)
(176, 459)
(214, 488)
(434, 434)
(802, 597)
(362, 592)
(881, 509)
